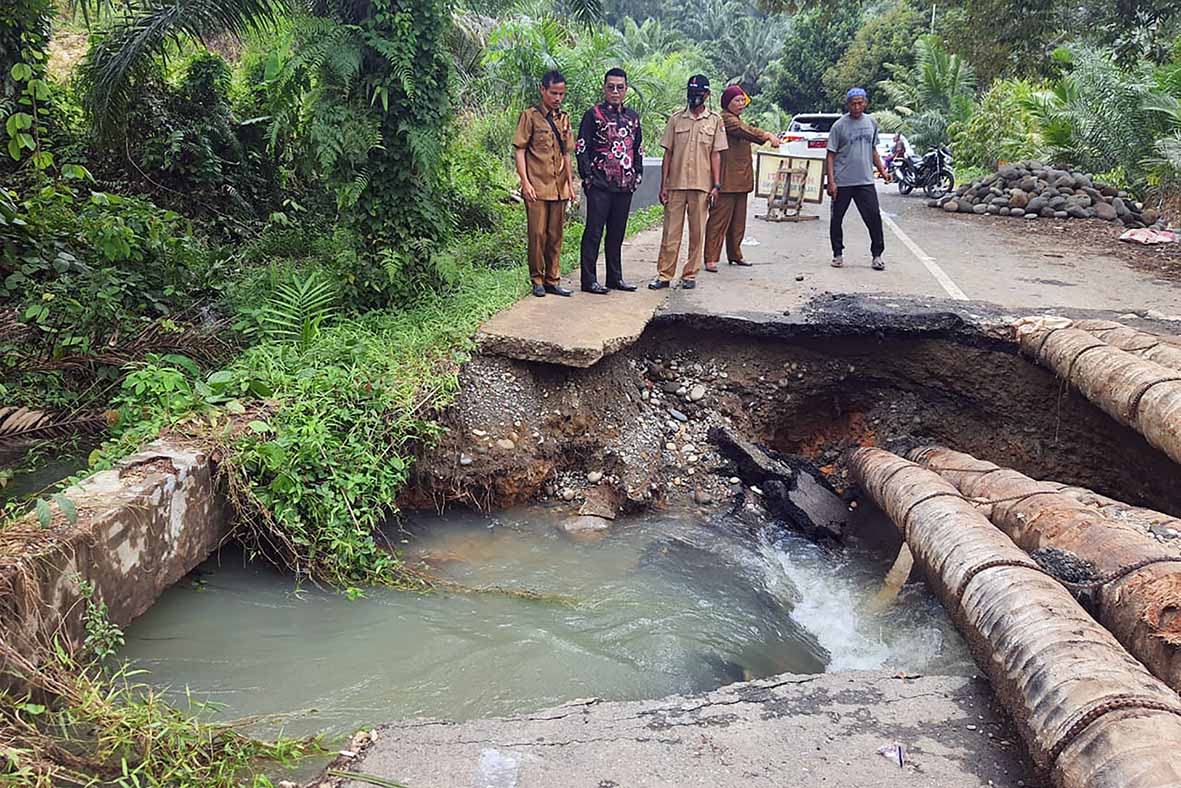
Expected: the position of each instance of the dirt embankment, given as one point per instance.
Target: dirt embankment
(632, 431)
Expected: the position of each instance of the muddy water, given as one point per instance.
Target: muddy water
(666, 603)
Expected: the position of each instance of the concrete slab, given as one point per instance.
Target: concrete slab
(575, 332)
(578, 331)
(789, 731)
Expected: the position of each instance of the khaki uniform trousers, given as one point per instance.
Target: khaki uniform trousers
(682, 203)
(727, 220)
(547, 223)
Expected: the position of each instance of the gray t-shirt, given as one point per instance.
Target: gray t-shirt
(853, 142)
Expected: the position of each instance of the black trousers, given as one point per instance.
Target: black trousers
(866, 198)
(608, 210)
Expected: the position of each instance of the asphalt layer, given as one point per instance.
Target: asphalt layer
(943, 272)
(786, 732)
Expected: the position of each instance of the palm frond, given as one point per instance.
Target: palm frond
(145, 30)
(19, 425)
(298, 308)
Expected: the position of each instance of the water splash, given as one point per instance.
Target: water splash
(834, 596)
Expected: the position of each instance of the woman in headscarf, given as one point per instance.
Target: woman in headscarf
(727, 217)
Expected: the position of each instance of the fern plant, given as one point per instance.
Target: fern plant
(298, 308)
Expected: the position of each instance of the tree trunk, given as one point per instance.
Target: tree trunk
(1133, 340)
(1077, 542)
(1051, 665)
(1146, 519)
(1141, 394)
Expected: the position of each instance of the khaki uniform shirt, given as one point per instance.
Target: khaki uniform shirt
(544, 161)
(689, 141)
(738, 172)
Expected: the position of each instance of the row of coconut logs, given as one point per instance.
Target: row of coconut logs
(1094, 690)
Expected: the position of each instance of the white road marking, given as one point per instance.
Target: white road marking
(928, 262)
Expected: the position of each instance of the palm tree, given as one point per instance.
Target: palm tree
(635, 42)
(939, 81)
(749, 45)
(139, 30)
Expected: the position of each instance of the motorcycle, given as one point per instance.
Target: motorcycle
(932, 173)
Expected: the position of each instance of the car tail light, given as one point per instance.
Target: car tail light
(793, 138)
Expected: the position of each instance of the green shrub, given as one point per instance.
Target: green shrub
(1001, 128)
(87, 267)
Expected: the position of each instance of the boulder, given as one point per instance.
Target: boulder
(1065, 182)
(979, 208)
(1108, 191)
(1046, 213)
(1004, 210)
(1008, 172)
(1031, 216)
(1027, 184)
(951, 206)
(1035, 205)
(1077, 212)
(1057, 203)
(1106, 212)
(1150, 216)
(1121, 209)
(999, 201)
(1018, 198)
(1061, 215)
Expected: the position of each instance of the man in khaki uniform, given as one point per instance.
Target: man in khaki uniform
(690, 179)
(543, 143)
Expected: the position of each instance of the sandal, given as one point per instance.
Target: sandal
(711, 267)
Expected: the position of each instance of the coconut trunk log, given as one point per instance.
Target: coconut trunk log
(1146, 519)
(1141, 394)
(1079, 543)
(1140, 343)
(1088, 712)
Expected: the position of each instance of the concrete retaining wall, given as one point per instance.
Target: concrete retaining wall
(140, 528)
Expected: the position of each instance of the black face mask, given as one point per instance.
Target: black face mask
(696, 99)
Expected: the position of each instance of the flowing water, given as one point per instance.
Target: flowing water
(665, 603)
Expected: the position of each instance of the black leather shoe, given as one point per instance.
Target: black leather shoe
(622, 285)
(558, 290)
(741, 263)
(688, 284)
(657, 284)
(596, 288)
(539, 291)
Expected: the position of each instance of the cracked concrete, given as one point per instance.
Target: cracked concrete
(787, 731)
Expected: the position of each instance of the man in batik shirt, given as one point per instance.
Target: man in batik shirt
(611, 166)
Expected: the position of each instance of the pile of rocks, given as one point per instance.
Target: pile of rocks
(1033, 190)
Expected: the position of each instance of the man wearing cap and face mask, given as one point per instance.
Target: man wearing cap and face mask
(690, 180)
(852, 157)
(727, 217)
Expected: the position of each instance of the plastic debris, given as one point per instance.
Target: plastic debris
(896, 752)
(1149, 237)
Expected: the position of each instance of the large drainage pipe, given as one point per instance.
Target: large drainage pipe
(1135, 581)
(1141, 394)
(1088, 712)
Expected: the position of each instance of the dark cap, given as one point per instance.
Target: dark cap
(699, 83)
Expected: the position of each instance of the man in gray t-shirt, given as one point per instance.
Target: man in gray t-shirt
(852, 158)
